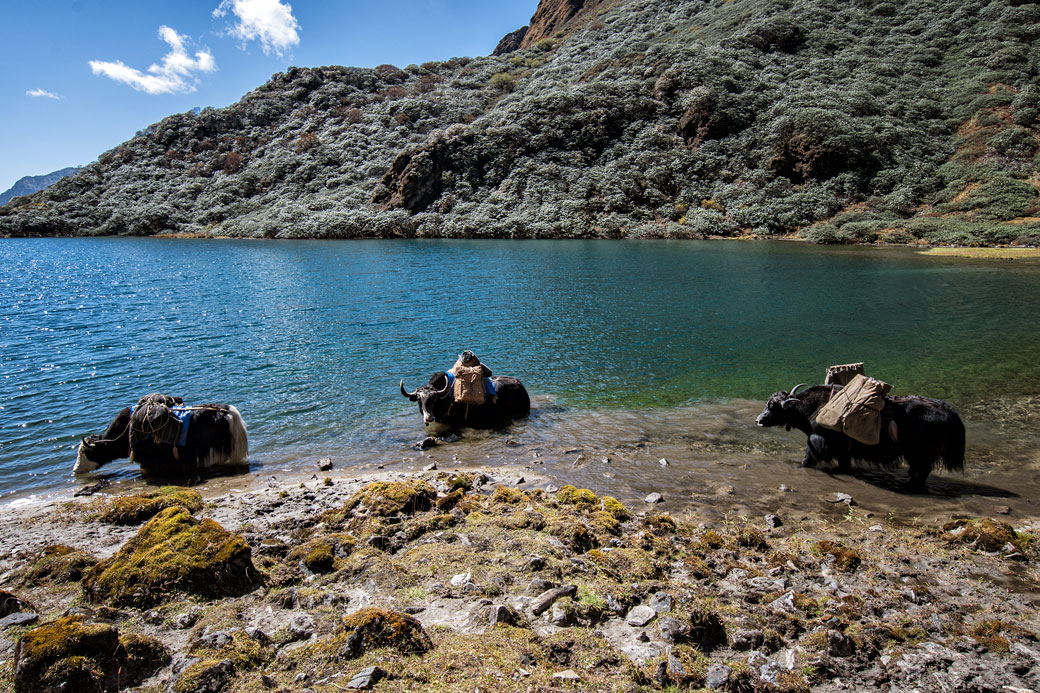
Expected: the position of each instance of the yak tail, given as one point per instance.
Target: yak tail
(953, 451)
(239, 453)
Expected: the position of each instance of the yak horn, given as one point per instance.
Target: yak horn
(791, 394)
(409, 395)
(447, 387)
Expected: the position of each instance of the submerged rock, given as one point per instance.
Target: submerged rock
(173, 552)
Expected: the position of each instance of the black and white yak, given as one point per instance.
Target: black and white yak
(927, 433)
(437, 405)
(210, 435)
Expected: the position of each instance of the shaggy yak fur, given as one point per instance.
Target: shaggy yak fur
(925, 432)
(216, 437)
(437, 406)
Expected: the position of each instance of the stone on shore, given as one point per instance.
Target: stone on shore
(70, 654)
(173, 553)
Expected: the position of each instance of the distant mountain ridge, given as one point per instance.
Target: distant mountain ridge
(31, 184)
(834, 120)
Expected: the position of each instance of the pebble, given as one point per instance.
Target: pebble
(661, 601)
(654, 498)
(640, 615)
(550, 488)
(567, 675)
(426, 443)
(1002, 510)
(840, 498)
(432, 466)
(19, 618)
(717, 676)
(774, 521)
(366, 678)
(839, 644)
(536, 563)
(501, 614)
(673, 630)
(784, 488)
(460, 579)
(663, 462)
(325, 464)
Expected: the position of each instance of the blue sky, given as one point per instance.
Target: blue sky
(80, 78)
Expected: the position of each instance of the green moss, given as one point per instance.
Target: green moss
(581, 497)
(985, 533)
(512, 496)
(457, 481)
(713, 540)
(661, 524)
(626, 564)
(92, 656)
(59, 564)
(319, 555)
(572, 532)
(751, 538)
(173, 552)
(132, 510)
(199, 677)
(450, 501)
(617, 510)
(605, 523)
(372, 628)
(846, 560)
(383, 498)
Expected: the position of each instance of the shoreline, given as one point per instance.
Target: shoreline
(817, 599)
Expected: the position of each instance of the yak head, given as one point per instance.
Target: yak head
(429, 396)
(777, 409)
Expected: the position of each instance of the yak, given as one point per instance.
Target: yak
(185, 439)
(437, 405)
(926, 433)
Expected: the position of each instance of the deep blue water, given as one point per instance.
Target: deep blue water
(309, 339)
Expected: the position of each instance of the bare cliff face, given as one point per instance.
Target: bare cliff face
(837, 121)
(552, 19)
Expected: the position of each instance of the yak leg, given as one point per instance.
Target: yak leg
(918, 473)
(813, 451)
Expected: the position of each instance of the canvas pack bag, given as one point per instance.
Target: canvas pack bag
(841, 375)
(469, 384)
(855, 410)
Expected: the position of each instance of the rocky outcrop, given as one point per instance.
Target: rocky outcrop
(842, 122)
(513, 41)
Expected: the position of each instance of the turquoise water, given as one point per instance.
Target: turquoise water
(309, 339)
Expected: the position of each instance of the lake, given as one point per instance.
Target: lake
(309, 339)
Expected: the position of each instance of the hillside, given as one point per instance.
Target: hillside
(30, 184)
(838, 121)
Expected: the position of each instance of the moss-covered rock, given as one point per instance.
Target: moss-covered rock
(845, 559)
(319, 555)
(58, 564)
(573, 532)
(582, 497)
(616, 508)
(985, 533)
(372, 628)
(172, 553)
(70, 654)
(511, 496)
(383, 498)
(133, 510)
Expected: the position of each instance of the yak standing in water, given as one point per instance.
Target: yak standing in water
(925, 432)
(166, 438)
(437, 405)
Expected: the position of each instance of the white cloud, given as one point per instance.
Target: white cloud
(43, 92)
(268, 21)
(175, 74)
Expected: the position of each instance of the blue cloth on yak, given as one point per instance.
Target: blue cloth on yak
(489, 384)
(183, 415)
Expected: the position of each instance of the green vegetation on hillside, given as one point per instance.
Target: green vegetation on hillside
(858, 121)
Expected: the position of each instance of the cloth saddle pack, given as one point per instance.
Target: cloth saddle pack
(855, 409)
(468, 387)
(159, 419)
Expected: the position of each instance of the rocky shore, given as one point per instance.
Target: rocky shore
(495, 579)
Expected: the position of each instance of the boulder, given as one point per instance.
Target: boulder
(173, 553)
(71, 654)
